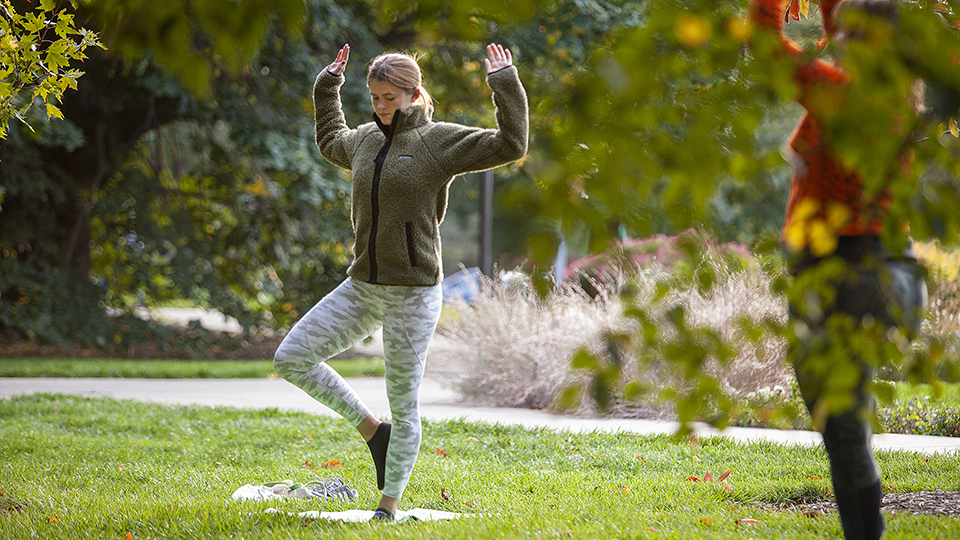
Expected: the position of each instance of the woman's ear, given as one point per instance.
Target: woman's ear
(415, 95)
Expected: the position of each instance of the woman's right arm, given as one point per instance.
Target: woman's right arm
(332, 134)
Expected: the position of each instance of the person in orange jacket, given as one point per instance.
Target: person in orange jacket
(851, 281)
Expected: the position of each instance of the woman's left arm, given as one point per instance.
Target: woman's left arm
(467, 149)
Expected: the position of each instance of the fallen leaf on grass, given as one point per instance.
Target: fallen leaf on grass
(53, 519)
(706, 521)
(129, 536)
(442, 452)
(333, 464)
(443, 494)
(747, 521)
(709, 478)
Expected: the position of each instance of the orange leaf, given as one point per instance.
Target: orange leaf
(129, 536)
(692, 479)
(747, 521)
(724, 476)
(307, 464)
(443, 494)
(441, 451)
(814, 478)
(707, 477)
(706, 521)
(333, 464)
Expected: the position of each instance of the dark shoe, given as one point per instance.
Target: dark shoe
(382, 515)
(378, 449)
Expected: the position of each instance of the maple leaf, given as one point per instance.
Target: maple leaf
(333, 464)
(442, 452)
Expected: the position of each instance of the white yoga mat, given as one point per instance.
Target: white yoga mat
(359, 516)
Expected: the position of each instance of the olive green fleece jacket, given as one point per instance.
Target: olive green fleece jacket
(402, 173)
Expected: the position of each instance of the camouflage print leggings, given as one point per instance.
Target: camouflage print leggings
(341, 319)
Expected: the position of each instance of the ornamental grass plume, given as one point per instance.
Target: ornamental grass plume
(512, 348)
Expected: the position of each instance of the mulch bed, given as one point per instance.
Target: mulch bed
(937, 503)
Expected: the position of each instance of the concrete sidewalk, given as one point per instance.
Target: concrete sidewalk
(437, 403)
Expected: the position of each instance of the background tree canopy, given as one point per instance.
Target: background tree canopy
(184, 166)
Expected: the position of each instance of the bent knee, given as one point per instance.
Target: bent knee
(284, 362)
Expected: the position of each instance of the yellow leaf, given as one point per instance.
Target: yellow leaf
(823, 241)
(53, 111)
(692, 31)
(258, 188)
(805, 8)
(740, 28)
(838, 215)
(952, 126)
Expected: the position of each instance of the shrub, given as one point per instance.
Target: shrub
(942, 323)
(511, 348)
(659, 251)
(520, 344)
(920, 416)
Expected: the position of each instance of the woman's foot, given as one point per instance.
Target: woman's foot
(381, 514)
(378, 449)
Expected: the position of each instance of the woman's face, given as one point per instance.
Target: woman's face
(388, 98)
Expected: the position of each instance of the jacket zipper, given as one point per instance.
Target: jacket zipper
(375, 198)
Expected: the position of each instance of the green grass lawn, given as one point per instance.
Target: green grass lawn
(77, 468)
(168, 369)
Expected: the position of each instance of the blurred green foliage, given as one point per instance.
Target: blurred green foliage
(184, 166)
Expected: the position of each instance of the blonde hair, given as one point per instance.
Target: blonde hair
(402, 71)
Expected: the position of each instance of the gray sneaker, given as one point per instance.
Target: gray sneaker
(332, 489)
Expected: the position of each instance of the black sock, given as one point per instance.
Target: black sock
(869, 499)
(378, 448)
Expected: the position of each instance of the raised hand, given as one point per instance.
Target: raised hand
(497, 58)
(340, 63)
